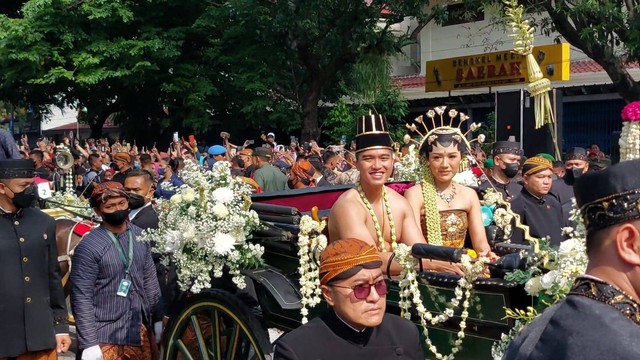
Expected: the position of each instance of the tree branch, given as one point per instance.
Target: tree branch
(602, 54)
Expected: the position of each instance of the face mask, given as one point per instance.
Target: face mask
(136, 165)
(570, 176)
(115, 167)
(511, 169)
(116, 218)
(136, 201)
(25, 198)
(161, 172)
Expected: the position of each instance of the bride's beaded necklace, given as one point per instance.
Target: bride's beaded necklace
(376, 224)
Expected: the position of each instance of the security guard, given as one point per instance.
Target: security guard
(32, 305)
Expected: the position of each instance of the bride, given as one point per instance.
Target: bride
(446, 210)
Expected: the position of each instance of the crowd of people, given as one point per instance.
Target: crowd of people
(122, 294)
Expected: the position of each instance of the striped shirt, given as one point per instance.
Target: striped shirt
(102, 317)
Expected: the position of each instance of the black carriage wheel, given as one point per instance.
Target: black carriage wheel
(215, 325)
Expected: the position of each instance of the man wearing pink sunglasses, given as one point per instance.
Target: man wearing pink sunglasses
(356, 325)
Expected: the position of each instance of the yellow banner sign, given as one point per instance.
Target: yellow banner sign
(495, 69)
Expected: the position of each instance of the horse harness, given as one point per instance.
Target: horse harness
(79, 229)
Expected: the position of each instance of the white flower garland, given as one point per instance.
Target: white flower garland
(562, 265)
(311, 242)
(310, 239)
(629, 141)
(410, 293)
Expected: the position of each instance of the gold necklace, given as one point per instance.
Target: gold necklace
(447, 197)
(376, 224)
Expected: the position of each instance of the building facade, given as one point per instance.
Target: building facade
(588, 107)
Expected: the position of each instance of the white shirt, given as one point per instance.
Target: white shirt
(134, 212)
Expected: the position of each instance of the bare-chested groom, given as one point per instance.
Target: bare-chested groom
(371, 211)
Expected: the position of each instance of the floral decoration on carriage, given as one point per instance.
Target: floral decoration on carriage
(205, 226)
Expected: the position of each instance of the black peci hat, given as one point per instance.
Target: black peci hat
(610, 196)
(372, 133)
(16, 169)
(506, 147)
(576, 153)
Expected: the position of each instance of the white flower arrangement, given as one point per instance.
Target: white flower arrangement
(410, 295)
(69, 198)
(311, 243)
(408, 168)
(466, 178)
(204, 227)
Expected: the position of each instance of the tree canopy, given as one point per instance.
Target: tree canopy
(608, 32)
(195, 64)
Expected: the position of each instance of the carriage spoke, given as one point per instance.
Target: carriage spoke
(186, 355)
(199, 337)
(215, 335)
(232, 343)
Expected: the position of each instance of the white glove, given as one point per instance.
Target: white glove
(92, 353)
(157, 329)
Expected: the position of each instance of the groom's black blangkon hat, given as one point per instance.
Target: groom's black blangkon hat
(372, 133)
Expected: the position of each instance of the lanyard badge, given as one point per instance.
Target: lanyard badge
(125, 284)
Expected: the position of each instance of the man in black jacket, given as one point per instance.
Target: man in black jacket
(32, 307)
(537, 208)
(140, 185)
(356, 325)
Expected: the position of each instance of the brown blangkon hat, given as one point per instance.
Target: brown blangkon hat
(345, 258)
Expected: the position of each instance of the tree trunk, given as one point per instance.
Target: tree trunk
(96, 123)
(310, 126)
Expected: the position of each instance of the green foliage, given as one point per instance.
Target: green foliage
(238, 64)
(340, 121)
(488, 128)
(606, 31)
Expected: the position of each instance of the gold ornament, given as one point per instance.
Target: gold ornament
(376, 224)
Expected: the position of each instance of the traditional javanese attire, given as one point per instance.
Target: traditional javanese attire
(543, 214)
(596, 320)
(330, 338)
(453, 226)
(32, 305)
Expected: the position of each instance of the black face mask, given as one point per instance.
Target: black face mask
(25, 198)
(136, 201)
(117, 217)
(511, 169)
(570, 176)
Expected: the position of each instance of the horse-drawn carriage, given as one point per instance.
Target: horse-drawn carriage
(227, 323)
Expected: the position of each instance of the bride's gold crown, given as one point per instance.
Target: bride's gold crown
(440, 125)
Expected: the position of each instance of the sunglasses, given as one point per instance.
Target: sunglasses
(362, 291)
